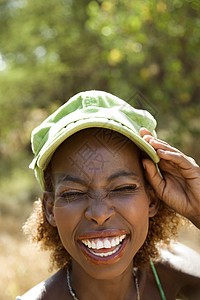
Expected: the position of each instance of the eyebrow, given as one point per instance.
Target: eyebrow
(84, 182)
(72, 178)
(122, 174)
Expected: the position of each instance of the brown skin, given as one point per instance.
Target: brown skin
(105, 204)
(112, 195)
(181, 178)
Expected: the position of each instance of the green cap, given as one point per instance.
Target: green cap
(85, 110)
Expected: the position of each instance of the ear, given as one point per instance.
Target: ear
(48, 204)
(153, 202)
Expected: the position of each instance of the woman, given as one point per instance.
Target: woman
(111, 194)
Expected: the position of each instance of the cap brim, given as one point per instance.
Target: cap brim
(42, 160)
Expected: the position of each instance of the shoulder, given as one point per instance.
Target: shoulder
(36, 293)
(182, 259)
(179, 266)
(52, 288)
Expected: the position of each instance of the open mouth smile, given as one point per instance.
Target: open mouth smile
(104, 247)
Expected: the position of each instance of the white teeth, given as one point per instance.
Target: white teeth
(94, 245)
(107, 244)
(113, 243)
(117, 240)
(99, 243)
(85, 242)
(107, 253)
(122, 237)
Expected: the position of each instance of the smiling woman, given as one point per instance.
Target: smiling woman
(107, 213)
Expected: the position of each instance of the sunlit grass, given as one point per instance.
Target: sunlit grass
(22, 264)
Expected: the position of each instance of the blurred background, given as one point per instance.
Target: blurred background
(146, 52)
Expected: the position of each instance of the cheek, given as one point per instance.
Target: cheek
(136, 213)
(135, 208)
(67, 218)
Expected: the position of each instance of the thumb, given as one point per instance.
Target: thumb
(153, 177)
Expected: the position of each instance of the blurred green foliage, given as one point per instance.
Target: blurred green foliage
(146, 52)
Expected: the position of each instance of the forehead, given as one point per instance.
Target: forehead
(96, 151)
(86, 141)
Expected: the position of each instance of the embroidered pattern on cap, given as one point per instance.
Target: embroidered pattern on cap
(90, 101)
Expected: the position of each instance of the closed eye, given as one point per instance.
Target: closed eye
(127, 188)
(71, 196)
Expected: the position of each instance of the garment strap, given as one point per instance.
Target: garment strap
(157, 280)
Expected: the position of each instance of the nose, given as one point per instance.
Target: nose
(100, 211)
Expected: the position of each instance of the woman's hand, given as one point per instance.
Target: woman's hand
(180, 186)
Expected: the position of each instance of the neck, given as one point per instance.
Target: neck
(86, 286)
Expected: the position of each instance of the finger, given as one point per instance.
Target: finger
(144, 131)
(178, 158)
(168, 167)
(159, 144)
(149, 139)
(153, 177)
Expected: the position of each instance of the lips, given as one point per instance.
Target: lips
(103, 247)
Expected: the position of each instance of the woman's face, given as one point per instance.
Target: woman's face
(101, 206)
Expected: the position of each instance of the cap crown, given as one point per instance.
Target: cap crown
(84, 110)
